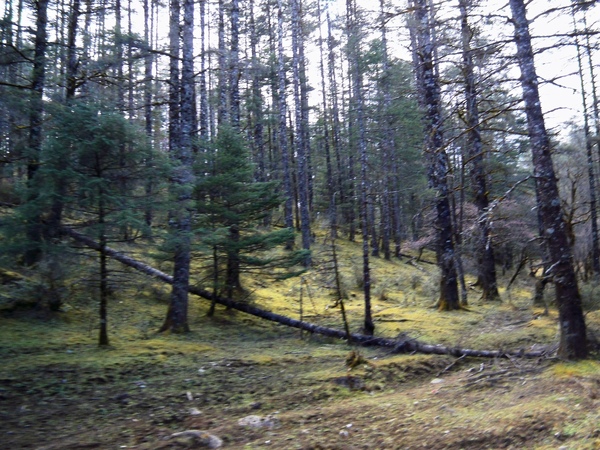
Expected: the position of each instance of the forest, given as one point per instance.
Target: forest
(305, 224)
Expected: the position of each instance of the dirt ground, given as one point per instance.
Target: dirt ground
(59, 392)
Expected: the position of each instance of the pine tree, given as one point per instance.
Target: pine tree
(230, 207)
(81, 166)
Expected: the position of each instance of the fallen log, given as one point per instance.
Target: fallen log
(402, 344)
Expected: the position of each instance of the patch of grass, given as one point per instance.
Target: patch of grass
(587, 368)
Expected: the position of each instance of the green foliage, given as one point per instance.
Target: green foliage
(95, 159)
(230, 207)
(90, 175)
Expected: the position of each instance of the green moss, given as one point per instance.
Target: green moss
(586, 368)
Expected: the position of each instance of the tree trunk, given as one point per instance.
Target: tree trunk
(36, 116)
(595, 241)
(301, 145)
(233, 262)
(437, 160)
(331, 188)
(357, 94)
(282, 127)
(573, 340)
(222, 109)
(148, 122)
(335, 118)
(182, 177)
(103, 333)
(486, 262)
(234, 66)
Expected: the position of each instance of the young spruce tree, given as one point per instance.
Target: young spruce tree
(230, 207)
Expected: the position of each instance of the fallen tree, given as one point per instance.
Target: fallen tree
(401, 344)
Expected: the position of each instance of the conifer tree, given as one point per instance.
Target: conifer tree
(81, 163)
(230, 207)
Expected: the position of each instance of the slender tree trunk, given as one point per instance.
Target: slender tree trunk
(204, 112)
(233, 262)
(182, 155)
(36, 115)
(486, 262)
(282, 127)
(357, 93)
(335, 117)
(234, 66)
(573, 340)
(148, 122)
(103, 334)
(256, 106)
(222, 108)
(437, 159)
(72, 61)
(331, 188)
(595, 241)
(301, 134)
(387, 144)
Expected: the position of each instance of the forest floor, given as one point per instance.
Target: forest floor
(258, 385)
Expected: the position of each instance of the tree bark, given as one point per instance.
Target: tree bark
(437, 160)
(486, 262)
(357, 93)
(331, 187)
(234, 66)
(300, 141)
(573, 340)
(182, 176)
(36, 115)
(282, 127)
(595, 241)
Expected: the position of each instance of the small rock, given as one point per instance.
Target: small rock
(344, 433)
(437, 381)
(195, 412)
(253, 421)
(197, 438)
(255, 405)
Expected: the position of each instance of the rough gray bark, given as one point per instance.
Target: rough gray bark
(256, 105)
(573, 340)
(387, 146)
(437, 160)
(72, 60)
(148, 122)
(300, 137)
(182, 176)
(222, 109)
(36, 117)
(357, 93)
(234, 65)
(595, 241)
(335, 116)
(204, 107)
(282, 127)
(486, 262)
(331, 186)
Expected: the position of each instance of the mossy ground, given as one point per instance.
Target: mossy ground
(58, 390)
